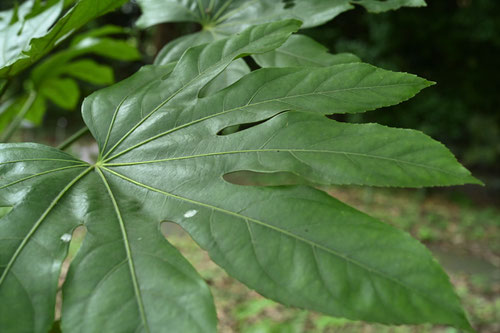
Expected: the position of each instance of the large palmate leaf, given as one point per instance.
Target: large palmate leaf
(221, 18)
(162, 159)
(29, 33)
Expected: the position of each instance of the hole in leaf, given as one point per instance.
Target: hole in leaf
(289, 3)
(229, 130)
(169, 229)
(75, 240)
(4, 211)
(238, 128)
(188, 247)
(241, 127)
(86, 151)
(252, 178)
(251, 63)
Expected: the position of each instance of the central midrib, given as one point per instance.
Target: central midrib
(277, 150)
(280, 99)
(128, 251)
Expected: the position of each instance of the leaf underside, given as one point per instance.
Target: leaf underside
(162, 159)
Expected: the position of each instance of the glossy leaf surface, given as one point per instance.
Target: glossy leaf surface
(300, 50)
(33, 34)
(162, 159)
(53, 79)
(226, 17)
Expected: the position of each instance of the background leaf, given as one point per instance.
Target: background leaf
(89, 71)
(49, 79)
(63, 92)
(18, 35)
(31, 37)
(222, 18)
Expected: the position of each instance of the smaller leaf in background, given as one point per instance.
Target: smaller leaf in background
(379, 6)
(108, 47)
(227, 17)
(221, 19)
(63, 92)
(13, 107)
(105, 30)
(17, 31)
(3, 85)
(50, 78)
(89, 71)
(9, 109)
(30, 38)
(37, 111)
(102, 46)
(159, 11)
(300, 50)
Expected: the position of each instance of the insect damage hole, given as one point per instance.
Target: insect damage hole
(75, 240)
(231, 129)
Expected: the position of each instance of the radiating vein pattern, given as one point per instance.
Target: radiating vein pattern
(337, 89)
(167, 136)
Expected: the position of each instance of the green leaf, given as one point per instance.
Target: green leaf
(235, 71)
(37, 111)
(18, 35)
(89, 71)
(162, 159)
(63, 92)
(174, 50)
(9, 109)
(14, 106)
(341, 153)
(222, 18)
(56, 65)
(378, 6)
(102, 31)
(300, 50)
(233, 16)
(3, 85)
(48, 77)
(31, 37)
(108, 47)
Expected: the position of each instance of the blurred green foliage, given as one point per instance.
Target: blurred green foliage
(56, 79)
(453, 42)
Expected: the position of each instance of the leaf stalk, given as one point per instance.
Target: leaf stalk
(69, 141)
(14, 125)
